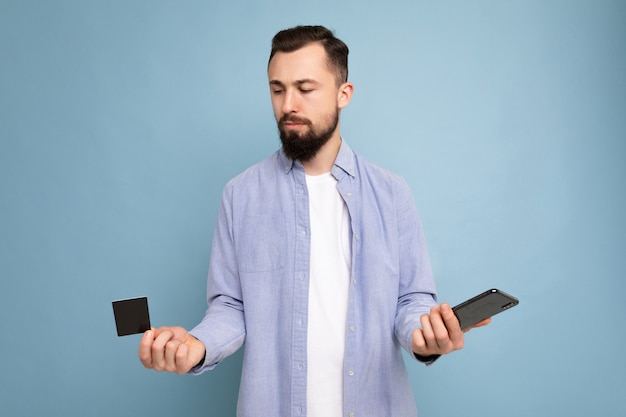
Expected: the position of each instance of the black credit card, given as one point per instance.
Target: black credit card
(131, 316)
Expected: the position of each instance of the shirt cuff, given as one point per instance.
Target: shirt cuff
(426, 359)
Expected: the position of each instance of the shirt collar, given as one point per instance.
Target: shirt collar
(343, 163)
(344, 160)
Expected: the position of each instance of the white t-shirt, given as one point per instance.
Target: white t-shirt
(328, 296)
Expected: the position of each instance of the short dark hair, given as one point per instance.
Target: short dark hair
(289, 40)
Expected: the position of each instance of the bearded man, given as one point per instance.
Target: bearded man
(318, 263)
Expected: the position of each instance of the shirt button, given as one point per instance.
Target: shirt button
(349, 195)
(350, 373)
(351, 415)
(352, 328)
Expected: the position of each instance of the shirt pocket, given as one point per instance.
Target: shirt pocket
(262, 243)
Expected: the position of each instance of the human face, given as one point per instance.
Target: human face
(306, 100)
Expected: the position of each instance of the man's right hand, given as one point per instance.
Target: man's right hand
(170, 349)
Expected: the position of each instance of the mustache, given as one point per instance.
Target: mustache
(293, 119)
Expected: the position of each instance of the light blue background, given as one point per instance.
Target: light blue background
(120, 122)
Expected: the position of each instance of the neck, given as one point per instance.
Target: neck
(325, 159)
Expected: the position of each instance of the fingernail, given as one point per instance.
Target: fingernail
(445, 307)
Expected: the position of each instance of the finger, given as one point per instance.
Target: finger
(155, 332)
(171, 347)
(427, 332)
(158, 349)
(145, 349)
(441, 333)
(182, 359)
(419, 344)
(451, 322)
(479, 324)
(484, 322)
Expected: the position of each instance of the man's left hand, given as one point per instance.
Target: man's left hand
(440, 333)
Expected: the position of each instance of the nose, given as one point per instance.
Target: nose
(290, 102)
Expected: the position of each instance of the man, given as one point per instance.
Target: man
(318, 263)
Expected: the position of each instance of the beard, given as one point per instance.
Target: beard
(304, 147)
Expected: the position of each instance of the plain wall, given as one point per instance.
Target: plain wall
(121, 121)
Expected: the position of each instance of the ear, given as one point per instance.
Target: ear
(344, 95)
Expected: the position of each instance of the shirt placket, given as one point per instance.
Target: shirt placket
(301, 294)
(350, 371)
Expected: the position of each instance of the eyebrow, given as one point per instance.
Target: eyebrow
(297, 82)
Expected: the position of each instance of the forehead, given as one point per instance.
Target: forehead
(308, 62)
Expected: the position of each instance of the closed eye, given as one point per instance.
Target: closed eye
(277, 87)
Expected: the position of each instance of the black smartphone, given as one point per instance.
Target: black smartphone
(483, 306)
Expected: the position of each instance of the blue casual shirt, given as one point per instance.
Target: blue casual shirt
(258, 286)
